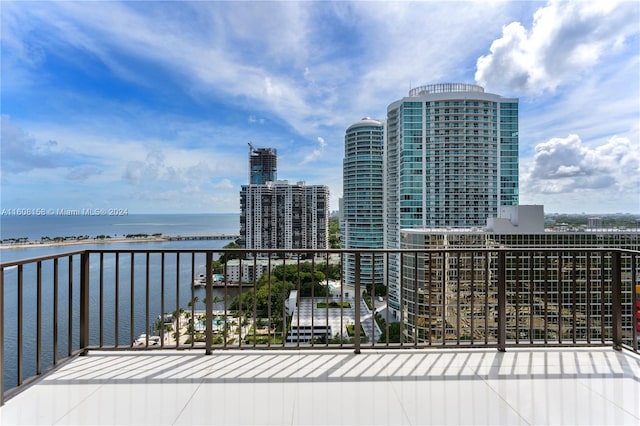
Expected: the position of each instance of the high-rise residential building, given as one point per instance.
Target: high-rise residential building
(455, 288)
(595, 223)
(263, 165)
(451, 161)
(363, 199)
(279, 215)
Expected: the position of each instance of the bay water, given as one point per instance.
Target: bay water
(171, 275)
(36, 227)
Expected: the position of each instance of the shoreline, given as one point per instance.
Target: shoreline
(113, 240)
(36, 244)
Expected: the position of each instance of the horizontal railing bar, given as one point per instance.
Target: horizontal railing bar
(12, 263)
(460, 298)
(380, 251)
(30, 380)
(365, 346)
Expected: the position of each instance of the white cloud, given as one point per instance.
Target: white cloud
(607, 175)
(224, 184)
(317, 153)
(22, 152)
(312, 157)
(565, 41)
(281, 73)
(290, 64)
(82, 173)
(252, 120)
(147, 170)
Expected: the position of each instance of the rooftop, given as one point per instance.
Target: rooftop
(445, 88)
(404, 387)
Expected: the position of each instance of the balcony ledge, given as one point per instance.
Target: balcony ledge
(476, 386)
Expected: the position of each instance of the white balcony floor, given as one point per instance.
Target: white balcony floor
(410, 387)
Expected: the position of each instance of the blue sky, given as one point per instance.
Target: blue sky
(149, 106)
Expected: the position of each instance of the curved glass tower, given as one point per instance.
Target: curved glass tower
(452, 161)
(363, 199)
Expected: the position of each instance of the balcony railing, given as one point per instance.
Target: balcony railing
(55, 307)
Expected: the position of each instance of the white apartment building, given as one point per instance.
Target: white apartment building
(249, 271)
(279, 215)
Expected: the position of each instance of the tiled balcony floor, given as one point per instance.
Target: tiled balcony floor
(413, 387)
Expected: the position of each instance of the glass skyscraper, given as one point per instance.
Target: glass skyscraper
(263, 165)
(451, 161)
(363, 199)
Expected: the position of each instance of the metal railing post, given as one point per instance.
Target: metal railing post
(592, 308)
(502, 301)
(20, 349)
(356, 326)
(39, 318)
(2, 337)
(616, 300)
(84, 301)
(209, 303)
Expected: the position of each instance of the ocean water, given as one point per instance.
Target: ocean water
(36, 227)
(179, 272)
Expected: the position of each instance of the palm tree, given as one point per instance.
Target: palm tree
(193, 301)
(168, 328)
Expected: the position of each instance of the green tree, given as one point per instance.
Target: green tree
(334, 232)
(381, 289)
(217, 266)
(274, 295)
(193, 302)
(225, 257)
(394, 333)
(319, 290)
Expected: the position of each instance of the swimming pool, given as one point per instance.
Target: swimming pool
(217, 325)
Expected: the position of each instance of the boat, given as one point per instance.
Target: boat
(200, 281)
(142, 340)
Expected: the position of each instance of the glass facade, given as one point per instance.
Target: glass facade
(263, 165)
(453, 296)
(508, 154)
(363, 199)
(552, 294)
(452, 160)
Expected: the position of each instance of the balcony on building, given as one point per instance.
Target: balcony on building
(484, 335)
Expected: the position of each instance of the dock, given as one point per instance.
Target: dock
(221, 284)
